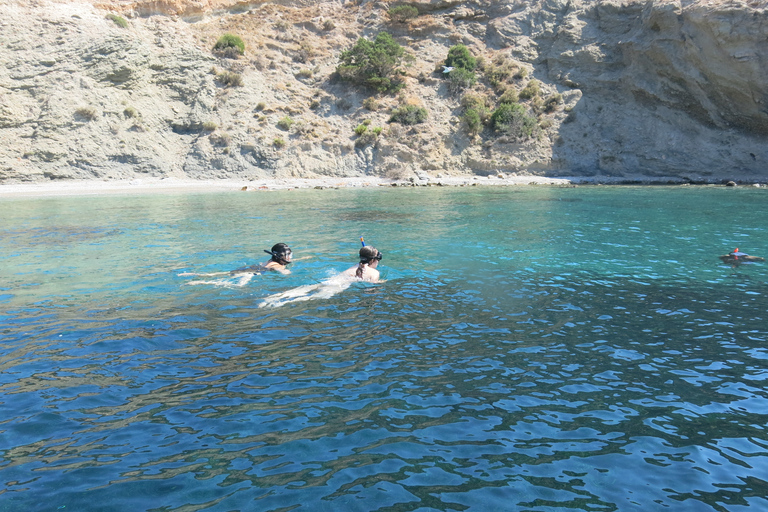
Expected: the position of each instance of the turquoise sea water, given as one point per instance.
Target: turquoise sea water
(533, 349)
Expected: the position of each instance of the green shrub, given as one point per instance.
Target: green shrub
(512, 119)
(402, 13)
(473, 122)
(459, 57)
(230, 45)
(530, 90)
(367, 137)
(361, 129)
(408, 115)
(509, 96)
(479, 105)
(373, 63)
(460, 79)
(130, 112)
(474, 101)
(497, 74)
(371, 104)
(261, 105)
(118, 20)
(228, 78)
(209, 126)
(376, 130)
(278, 142)
(285, 123)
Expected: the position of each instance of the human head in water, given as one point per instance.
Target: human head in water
(369, 256)
(280, 253)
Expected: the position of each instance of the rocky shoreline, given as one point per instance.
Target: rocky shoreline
(660, 88)
(172, 185)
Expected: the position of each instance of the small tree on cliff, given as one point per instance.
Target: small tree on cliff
(460, 57)
(460, 65)
(511, 119)
(373, 64)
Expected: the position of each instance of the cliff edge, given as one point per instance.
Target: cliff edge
(123, 89)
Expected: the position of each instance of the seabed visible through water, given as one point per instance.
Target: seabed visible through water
(532, 349)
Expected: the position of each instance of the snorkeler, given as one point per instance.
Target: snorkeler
(366, 269)
(281, 257)
(736, 258)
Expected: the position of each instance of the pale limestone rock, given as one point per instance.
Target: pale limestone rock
(648, 88)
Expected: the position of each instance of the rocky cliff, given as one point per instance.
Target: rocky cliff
(120, 89)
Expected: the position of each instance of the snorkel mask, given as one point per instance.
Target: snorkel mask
(369, 258)
(280, 253)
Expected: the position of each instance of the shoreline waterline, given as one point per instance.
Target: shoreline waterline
(173, 185)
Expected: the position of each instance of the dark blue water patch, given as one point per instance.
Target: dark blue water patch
(551, 358)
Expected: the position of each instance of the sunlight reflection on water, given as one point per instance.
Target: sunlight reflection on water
(538, 349)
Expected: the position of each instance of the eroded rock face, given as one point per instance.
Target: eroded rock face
(662, 88)
(667, 87)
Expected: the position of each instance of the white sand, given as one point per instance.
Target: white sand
(172, 185)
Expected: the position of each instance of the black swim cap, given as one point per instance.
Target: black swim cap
(278, 253)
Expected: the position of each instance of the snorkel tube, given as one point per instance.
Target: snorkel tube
(279, 252)
(376, 256)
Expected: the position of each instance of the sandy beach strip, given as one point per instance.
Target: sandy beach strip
(172, 185)
(175, 185)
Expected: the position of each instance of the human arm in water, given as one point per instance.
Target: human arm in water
(277, 267)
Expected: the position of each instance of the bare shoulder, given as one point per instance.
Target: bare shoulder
(273, 265)
(371, 275)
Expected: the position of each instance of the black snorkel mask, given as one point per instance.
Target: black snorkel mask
(378, 257)
(279, 256)
(368, 260)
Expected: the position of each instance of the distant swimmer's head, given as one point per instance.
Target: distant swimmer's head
(280, 253)
(369, 254)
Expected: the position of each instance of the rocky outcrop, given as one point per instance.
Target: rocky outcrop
(664, 87)
(658, 88)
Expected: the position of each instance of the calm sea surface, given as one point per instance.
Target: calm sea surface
(532, 349)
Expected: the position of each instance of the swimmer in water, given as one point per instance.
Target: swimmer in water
(736, 258)
(366, 269)
(281, 257)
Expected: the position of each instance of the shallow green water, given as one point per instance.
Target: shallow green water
(533, 348)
